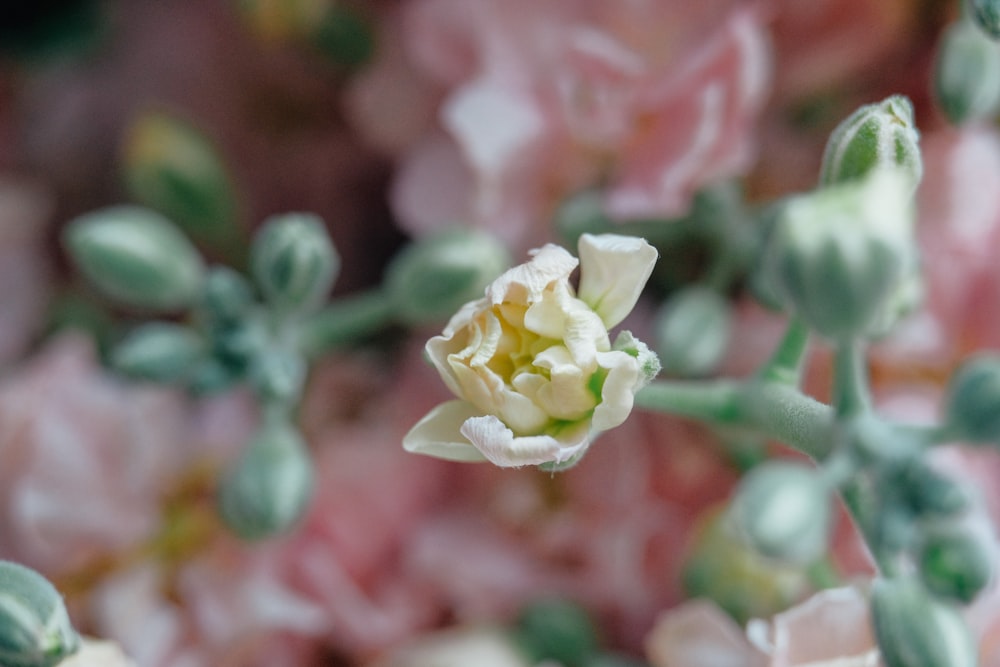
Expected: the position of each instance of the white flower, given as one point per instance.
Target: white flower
(532, 362)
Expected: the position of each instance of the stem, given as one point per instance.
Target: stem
(850, 380)
(345, 321)
(768, 409)
(785, 364)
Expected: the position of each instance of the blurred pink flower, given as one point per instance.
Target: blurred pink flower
(829, 629)
(25, 273)
(958, 227)
(537, 100)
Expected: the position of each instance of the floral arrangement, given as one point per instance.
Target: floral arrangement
(427, 333)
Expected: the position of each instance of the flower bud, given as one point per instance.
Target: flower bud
(955, 562)
(782, 509)
(841, 255)
(967, 74)
(268, 489)
(294, 262)
(173, 168)
(35, 630)
(692, 331)
(430, 279)
(556, 630)
(227, 297)
(159, 352)
(914, 630)
(876, 136)
(136, 256)
(279, 374)
(986, 15)
(929, 493)
(972, 405)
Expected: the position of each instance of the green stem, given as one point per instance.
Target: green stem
(345, 321)
(785, 364)
(771, 410)
(850, 380)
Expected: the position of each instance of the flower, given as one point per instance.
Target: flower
(532, 362)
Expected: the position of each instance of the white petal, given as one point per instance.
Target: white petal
(525, 283)
(438, 433)
(618, 392)
(613, 271)
(498, 443)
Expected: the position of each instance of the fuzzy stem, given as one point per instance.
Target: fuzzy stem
(344, 321)
(785, 364)
(850, 381)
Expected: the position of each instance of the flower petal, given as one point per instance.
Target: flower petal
(613, 271)
(618, 392)
(499, 445)
(438, 433)
(525, 283)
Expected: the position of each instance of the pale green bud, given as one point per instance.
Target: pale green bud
(841, 255)
(986, 14)
(783, 510)
(159, 351)
(279, 374)
(227, 297)
(955, 562)
(914, 630)
(692, 331)
(876, 136)
(294, 262)
(269, 487)
(967, 74)
(172, 167)
(556, 630)
(972, 404)
(434, 276)
(35, 630)
(929, 493)
(136, 256)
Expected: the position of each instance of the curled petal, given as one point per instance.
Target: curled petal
(525, 283)
(617, 394)
(501, 447)
(613, 271)
(439, 433)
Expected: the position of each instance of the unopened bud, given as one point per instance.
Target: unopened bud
(159, 352)
(35, 630)
(840, 255)
(432, 278)
(783, 510)
(972, 405)
(692, 331)
(136, 256)
(915, 630)
(556, 630)
(268, 489)
(986, 14)
(227, 296)
(875, 137)
(294, 262)
(955, 562)
(967, 74)
(173, 168)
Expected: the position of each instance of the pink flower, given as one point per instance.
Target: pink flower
(655, 99)
(830, 629)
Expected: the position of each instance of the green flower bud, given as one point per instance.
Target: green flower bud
(875, 137)
(972, 404)
(841, 255)
(173, 168)
(955, 562)
(159, 352)
(556, 630)
(343, 35)
(268, 489)
(279, 375)
(914, 630)
(986, 15)
(929, 493)
(783, 510)
(692, 331)
(434, 276)
(721, 567)
(35, 630)
(227, 297)
(136, 256)
(967, 74)
(294, 262)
